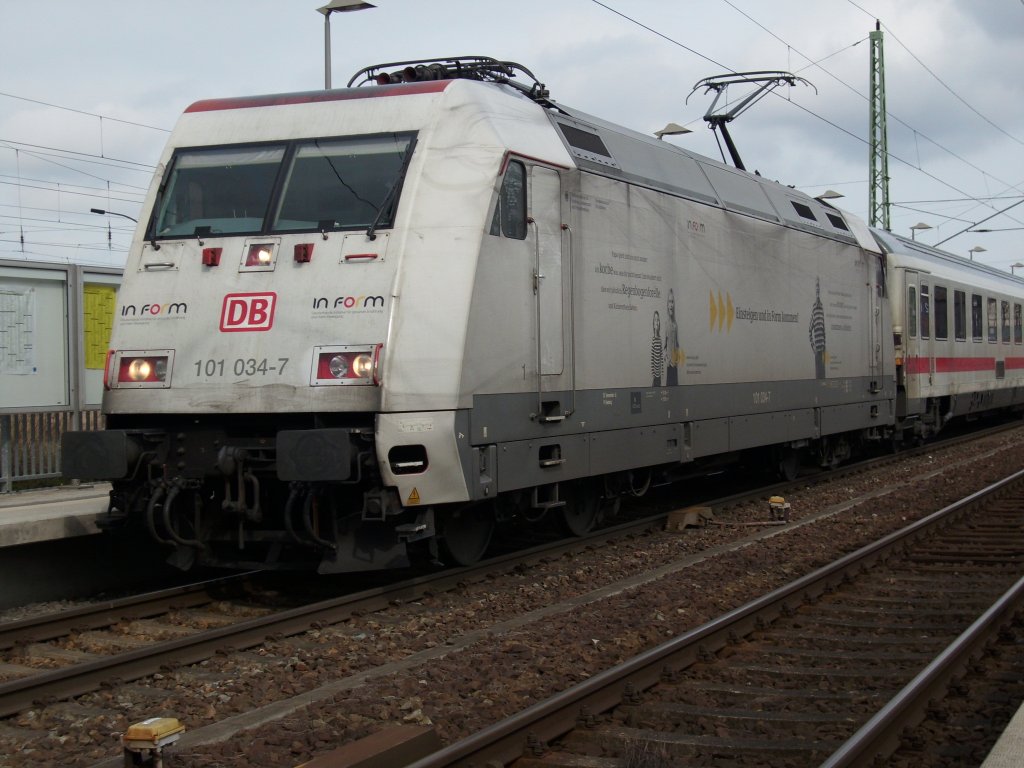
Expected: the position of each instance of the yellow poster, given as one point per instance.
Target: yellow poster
(97, 318)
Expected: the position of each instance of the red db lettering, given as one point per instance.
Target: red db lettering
(247, 312)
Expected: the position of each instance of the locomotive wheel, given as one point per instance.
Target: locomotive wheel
(788, 463)
(582, 505)
(466, 532)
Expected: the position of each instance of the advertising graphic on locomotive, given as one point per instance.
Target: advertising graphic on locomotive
(366, 323)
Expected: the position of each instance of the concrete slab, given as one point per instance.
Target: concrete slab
(46, 514)
(1009, 750)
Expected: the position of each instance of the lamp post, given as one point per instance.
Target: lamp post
(920, 226)
(672, 129)
(336, 6)
(1013, 268)
(976, 249)
(102, 212)
(110, 235)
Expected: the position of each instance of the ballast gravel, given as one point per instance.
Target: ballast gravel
(473, 680)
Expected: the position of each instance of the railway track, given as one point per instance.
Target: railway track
(828, 670)
(148, 633)
(80, 675)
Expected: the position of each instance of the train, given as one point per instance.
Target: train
(363, 326)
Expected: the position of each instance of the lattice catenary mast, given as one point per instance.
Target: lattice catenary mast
(878, 160)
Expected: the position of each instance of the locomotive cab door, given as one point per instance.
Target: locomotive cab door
(876, 301)
(545, 218)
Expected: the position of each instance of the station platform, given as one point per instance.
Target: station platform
(48, 514)
(52, 550)
(1009, 750)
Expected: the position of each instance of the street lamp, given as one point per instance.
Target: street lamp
(336, 6)
(672, 129)
(110, 235)
(1013, 268)
(829, 194)
(919, 226)
(976, 249)
(102, 212)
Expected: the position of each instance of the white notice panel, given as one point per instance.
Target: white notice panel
(17, 330)
(33, 344)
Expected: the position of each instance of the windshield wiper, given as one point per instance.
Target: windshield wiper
(390, 196)
(200, 232)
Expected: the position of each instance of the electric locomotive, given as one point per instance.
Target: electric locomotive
(390, 316)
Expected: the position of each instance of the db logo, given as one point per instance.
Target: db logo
(247, 312)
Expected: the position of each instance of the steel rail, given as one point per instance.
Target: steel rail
(510, 739)
(50, 626)
(65, 682)
(20, 693)
(880, 736)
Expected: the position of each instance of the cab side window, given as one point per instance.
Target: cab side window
(510, 212)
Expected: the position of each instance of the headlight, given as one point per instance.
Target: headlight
(259, 255)
(149, 368)
(338, 366)
(345, 365)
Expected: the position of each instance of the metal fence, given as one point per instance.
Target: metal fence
(30, 442)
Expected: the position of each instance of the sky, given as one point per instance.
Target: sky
(90, 90)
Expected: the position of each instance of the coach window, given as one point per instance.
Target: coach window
(977, 318)
(925, 312)
(510, 212)
(1005, 315)
(992, 319)
(941, 313)
(912, 312)
(1017, 331)
(960, 315)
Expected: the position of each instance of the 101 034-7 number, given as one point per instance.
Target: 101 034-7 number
(240, 366)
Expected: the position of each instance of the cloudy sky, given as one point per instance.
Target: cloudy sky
(89, 91)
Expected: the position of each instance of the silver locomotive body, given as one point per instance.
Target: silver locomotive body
(360, 323)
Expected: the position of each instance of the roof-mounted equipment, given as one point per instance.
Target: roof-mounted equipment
(768, 80)
(481, 68)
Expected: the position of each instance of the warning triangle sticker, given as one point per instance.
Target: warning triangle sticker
(414, 497)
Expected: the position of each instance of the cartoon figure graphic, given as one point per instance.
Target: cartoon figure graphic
(657, 352)
(672, 351)
(816, 331)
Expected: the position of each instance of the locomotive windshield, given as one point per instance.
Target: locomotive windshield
(309, 185)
